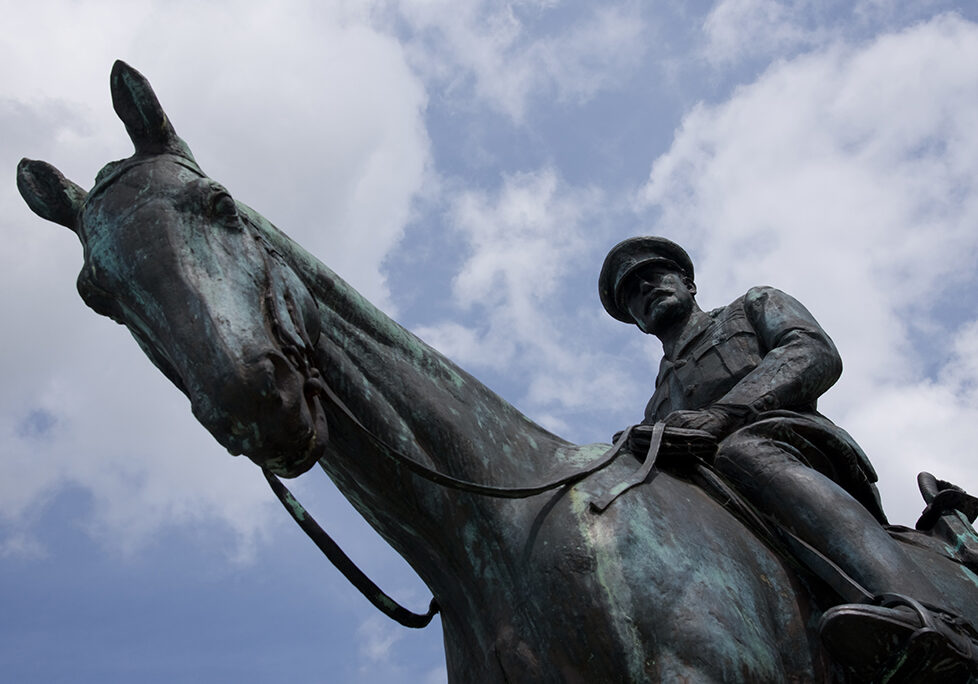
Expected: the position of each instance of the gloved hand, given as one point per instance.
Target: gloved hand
(638, 441)
(677, 442)
(718, 420)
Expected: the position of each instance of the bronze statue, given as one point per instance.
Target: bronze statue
(750, 374)
(284, 362)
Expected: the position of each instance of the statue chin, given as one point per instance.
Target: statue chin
(662, 315)
(292, 460)
(292, 463)
(286, 442)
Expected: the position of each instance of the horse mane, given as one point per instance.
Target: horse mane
(514, 440)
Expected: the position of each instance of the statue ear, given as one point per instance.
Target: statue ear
(136, 104)
(691, 286)
(48, 193)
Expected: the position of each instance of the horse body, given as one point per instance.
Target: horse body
(542, 586)
(665, 584)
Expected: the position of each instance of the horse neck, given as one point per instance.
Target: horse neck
(416, 400)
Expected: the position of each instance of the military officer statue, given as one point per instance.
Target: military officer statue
(750, 374)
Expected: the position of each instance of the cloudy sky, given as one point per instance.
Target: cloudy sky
(466, 165)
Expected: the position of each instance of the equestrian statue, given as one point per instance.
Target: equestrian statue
(733, 535)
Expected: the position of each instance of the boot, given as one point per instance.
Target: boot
(896, 640)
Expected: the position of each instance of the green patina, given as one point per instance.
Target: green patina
(297, 509)
(657, 552)
(601, 542)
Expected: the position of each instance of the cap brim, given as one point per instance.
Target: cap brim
(619, 287)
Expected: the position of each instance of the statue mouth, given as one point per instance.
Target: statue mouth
(660, 293)
(269, 411)
(655, 300)
(289, 454)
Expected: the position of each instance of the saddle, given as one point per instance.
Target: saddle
(945, 526)
(889, 638)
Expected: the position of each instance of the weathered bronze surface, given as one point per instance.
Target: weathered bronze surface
(750, 374)
(666, 584)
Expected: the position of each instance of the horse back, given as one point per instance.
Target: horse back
(663, 585)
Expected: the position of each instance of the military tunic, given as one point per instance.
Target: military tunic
(767, 357)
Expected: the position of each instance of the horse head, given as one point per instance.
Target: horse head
(173, 257)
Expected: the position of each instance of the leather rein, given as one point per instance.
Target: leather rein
(300, 353)
(354, 574)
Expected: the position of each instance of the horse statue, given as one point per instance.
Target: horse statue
(286, 363)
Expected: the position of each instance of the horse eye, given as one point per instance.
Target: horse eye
(223, 205)
(223, 209)
(96, 298)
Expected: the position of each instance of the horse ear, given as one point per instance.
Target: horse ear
(48, 193)
(147, 124)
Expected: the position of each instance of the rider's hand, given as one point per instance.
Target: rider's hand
(638, 441)
(696, 442)
(715, 420)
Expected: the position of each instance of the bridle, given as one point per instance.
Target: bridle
(289, 331)
(770, 531)
(300, 353)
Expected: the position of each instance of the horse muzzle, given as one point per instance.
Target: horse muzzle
(264, 410)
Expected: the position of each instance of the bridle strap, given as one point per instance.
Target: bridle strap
(465, 485)
(640, 476)
(349, 569)
(317, 387)
(355, 575)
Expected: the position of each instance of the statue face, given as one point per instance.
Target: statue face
(657, 297)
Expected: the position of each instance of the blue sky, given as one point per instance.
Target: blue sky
(466, 165)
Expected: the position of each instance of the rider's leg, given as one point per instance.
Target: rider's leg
(898, 641)
(771, 474)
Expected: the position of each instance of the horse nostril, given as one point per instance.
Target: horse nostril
(259, 378)
(282, 380)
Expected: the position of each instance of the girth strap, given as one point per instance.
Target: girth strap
(334, 553)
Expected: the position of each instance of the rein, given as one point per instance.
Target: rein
(450, 482)
(300, 353)
(295, 344)
(354, 574)
(342, 562)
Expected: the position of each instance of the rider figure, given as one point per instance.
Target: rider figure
(750, 374)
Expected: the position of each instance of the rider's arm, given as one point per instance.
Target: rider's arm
(800, 363)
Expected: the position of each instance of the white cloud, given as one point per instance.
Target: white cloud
(848, 178)
(735, 32)
(306, 112)
(923, 425)
(527, 246)
(737, 29)
(490, 48)
(377, 636)
(514, 265)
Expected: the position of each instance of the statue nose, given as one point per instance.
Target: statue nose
(272, 381)
(259, 388)
(263, 397)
